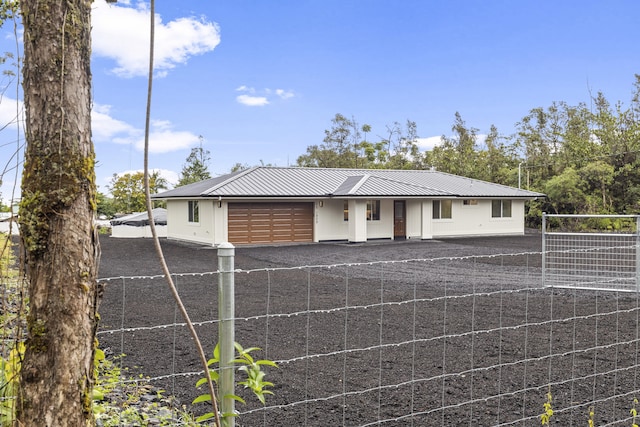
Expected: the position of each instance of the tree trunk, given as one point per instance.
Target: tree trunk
(56, 216)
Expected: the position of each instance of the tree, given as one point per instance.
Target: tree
(339, 148)
(197, 167)
(128, 190)
(105, 206)
(457, 154)
(404, 152)
(565, 194)
(57, 210)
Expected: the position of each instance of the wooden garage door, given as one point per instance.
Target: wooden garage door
(270, 222)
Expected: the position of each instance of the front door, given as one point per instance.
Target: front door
(399, 219)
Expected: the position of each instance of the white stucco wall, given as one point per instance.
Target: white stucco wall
(130, 231)
(476, 220)
(6, 226)
(414, 219)
(178, 226)
(382, 228)
(329, 221)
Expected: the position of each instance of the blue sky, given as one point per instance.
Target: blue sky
(260, 81)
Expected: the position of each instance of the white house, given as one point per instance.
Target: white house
(9, 223)
(285, 204)
(137, 224)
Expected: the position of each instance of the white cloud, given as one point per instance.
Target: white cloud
(10, 110)
(252, 101)
(249, 98)
(104, 127)
(121, 32)
(284, 94)
(244, 88)
(429, 142)
(162, 137)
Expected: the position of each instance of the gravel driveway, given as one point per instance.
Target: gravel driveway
(365, 339)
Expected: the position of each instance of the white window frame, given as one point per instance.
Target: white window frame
(438, 211)
(373, 210)
(193, 215)
(505, 209)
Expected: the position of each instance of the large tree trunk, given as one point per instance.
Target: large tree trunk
(56, 215)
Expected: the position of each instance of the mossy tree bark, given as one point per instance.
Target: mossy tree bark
(56, 215)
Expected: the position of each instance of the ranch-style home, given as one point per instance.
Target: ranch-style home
(265, 205)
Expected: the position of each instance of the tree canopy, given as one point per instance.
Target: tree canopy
(197, 166)
(586, 159)
(128, 191)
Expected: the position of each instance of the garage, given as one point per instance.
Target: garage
(270, 222)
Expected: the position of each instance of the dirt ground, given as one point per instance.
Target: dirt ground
(364, 340)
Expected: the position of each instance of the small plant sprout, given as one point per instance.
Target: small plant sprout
(548, 410)
(634, 413)
(592, 413)
(254, 377)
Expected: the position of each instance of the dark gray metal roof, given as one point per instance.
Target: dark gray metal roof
(282, 182)
(141, 219)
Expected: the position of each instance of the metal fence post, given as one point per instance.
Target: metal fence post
(226, 329)
(544, 248)
(638, 253)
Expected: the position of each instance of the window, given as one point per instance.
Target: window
(442, 209)
(194, 211)
(501, 208)
(373, 210)
(469, 202)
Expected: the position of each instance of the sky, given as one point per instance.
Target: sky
(257, 82)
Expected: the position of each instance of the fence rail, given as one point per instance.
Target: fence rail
(591, 251)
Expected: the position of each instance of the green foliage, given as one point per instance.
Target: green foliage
(119, 400)
(585, 158)
(545, 417)
(128, 191)
(196, 168)
(343, 146)
(9, 383)
(106, 206)
(634, 413)
(253, 374)
(8, 10)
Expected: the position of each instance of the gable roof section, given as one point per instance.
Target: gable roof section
(342, 183)
(367, 185)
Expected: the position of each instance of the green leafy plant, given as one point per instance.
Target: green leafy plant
(545, 417)
(253, 377)
(9, 383)
(634, 413)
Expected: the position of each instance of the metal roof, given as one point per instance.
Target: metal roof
(141, 219)
(281, 182)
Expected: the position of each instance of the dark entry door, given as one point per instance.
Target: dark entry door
(399, 219)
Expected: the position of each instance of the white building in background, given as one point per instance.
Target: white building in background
(137, 224)
(265, 205)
